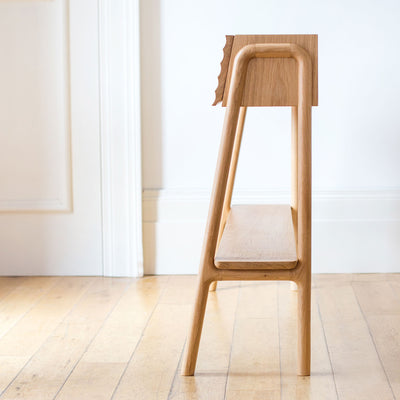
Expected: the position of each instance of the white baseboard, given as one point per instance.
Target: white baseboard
(353, 231)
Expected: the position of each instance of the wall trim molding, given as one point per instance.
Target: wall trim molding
(61, 200)
(120, 137)
(366, 204)
(39, 205)
(353, 230)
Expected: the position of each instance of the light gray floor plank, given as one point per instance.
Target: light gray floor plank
(356, 364)
(380, 304)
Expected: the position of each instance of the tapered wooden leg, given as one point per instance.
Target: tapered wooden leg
(192, 346)
(231, 178)
(295, 174)
(304, 227)
(213, 286)
(304, 327)
(216, 219)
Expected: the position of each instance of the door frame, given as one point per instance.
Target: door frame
(120, 137)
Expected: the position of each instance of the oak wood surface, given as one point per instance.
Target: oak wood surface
(273, 82)
(8, 284)
(255, 344)
(111, 348)
(355, 329)
(321, 385)
(160, 347)
(301, 274)
(356, 361)
(26, 336)
(45, 373)
(213, 363)
(219, 91)
(231, 178)
(21, 300)
(257, 237)
(380, 306)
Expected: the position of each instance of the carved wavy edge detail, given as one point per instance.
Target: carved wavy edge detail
(219, 91)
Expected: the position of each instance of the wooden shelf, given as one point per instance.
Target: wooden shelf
(258, 237)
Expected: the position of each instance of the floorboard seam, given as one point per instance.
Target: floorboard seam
(279, 338)
(327, 347)
(45, 340)
(373, 340)
(174, 380)
(233, 335)
(30, 308)
(91, 341)
(139, 341)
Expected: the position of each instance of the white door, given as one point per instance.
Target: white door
(51, 198)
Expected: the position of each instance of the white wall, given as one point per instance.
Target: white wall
(69, 138)
(356, 128)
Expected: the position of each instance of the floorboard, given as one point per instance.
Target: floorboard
(209, 382)
(293, 387)
(380, 304)
(51, 365)
(254, 370)
(107, 356)
(357, 368)
(25, 338)
(151, 371)
(117, 338)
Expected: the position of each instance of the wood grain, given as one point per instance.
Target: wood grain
(160, 347)
(108, 355)
(358, 371)
(254, 371)
(321, 384)
(24, 339)
(301, 274)
(273, 82)
(212, 367)
(258, 237)
(8, 284)
(45, 373)
(249, 335)
(231, 178)
(219, 91)
(380, 304)
(22, 299)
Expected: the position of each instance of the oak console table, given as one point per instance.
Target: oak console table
(261, 242)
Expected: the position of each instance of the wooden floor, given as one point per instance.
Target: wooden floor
(115, 338)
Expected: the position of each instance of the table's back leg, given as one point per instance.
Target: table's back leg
(231, 179)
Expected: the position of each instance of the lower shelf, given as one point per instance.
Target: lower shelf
(258, 237)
